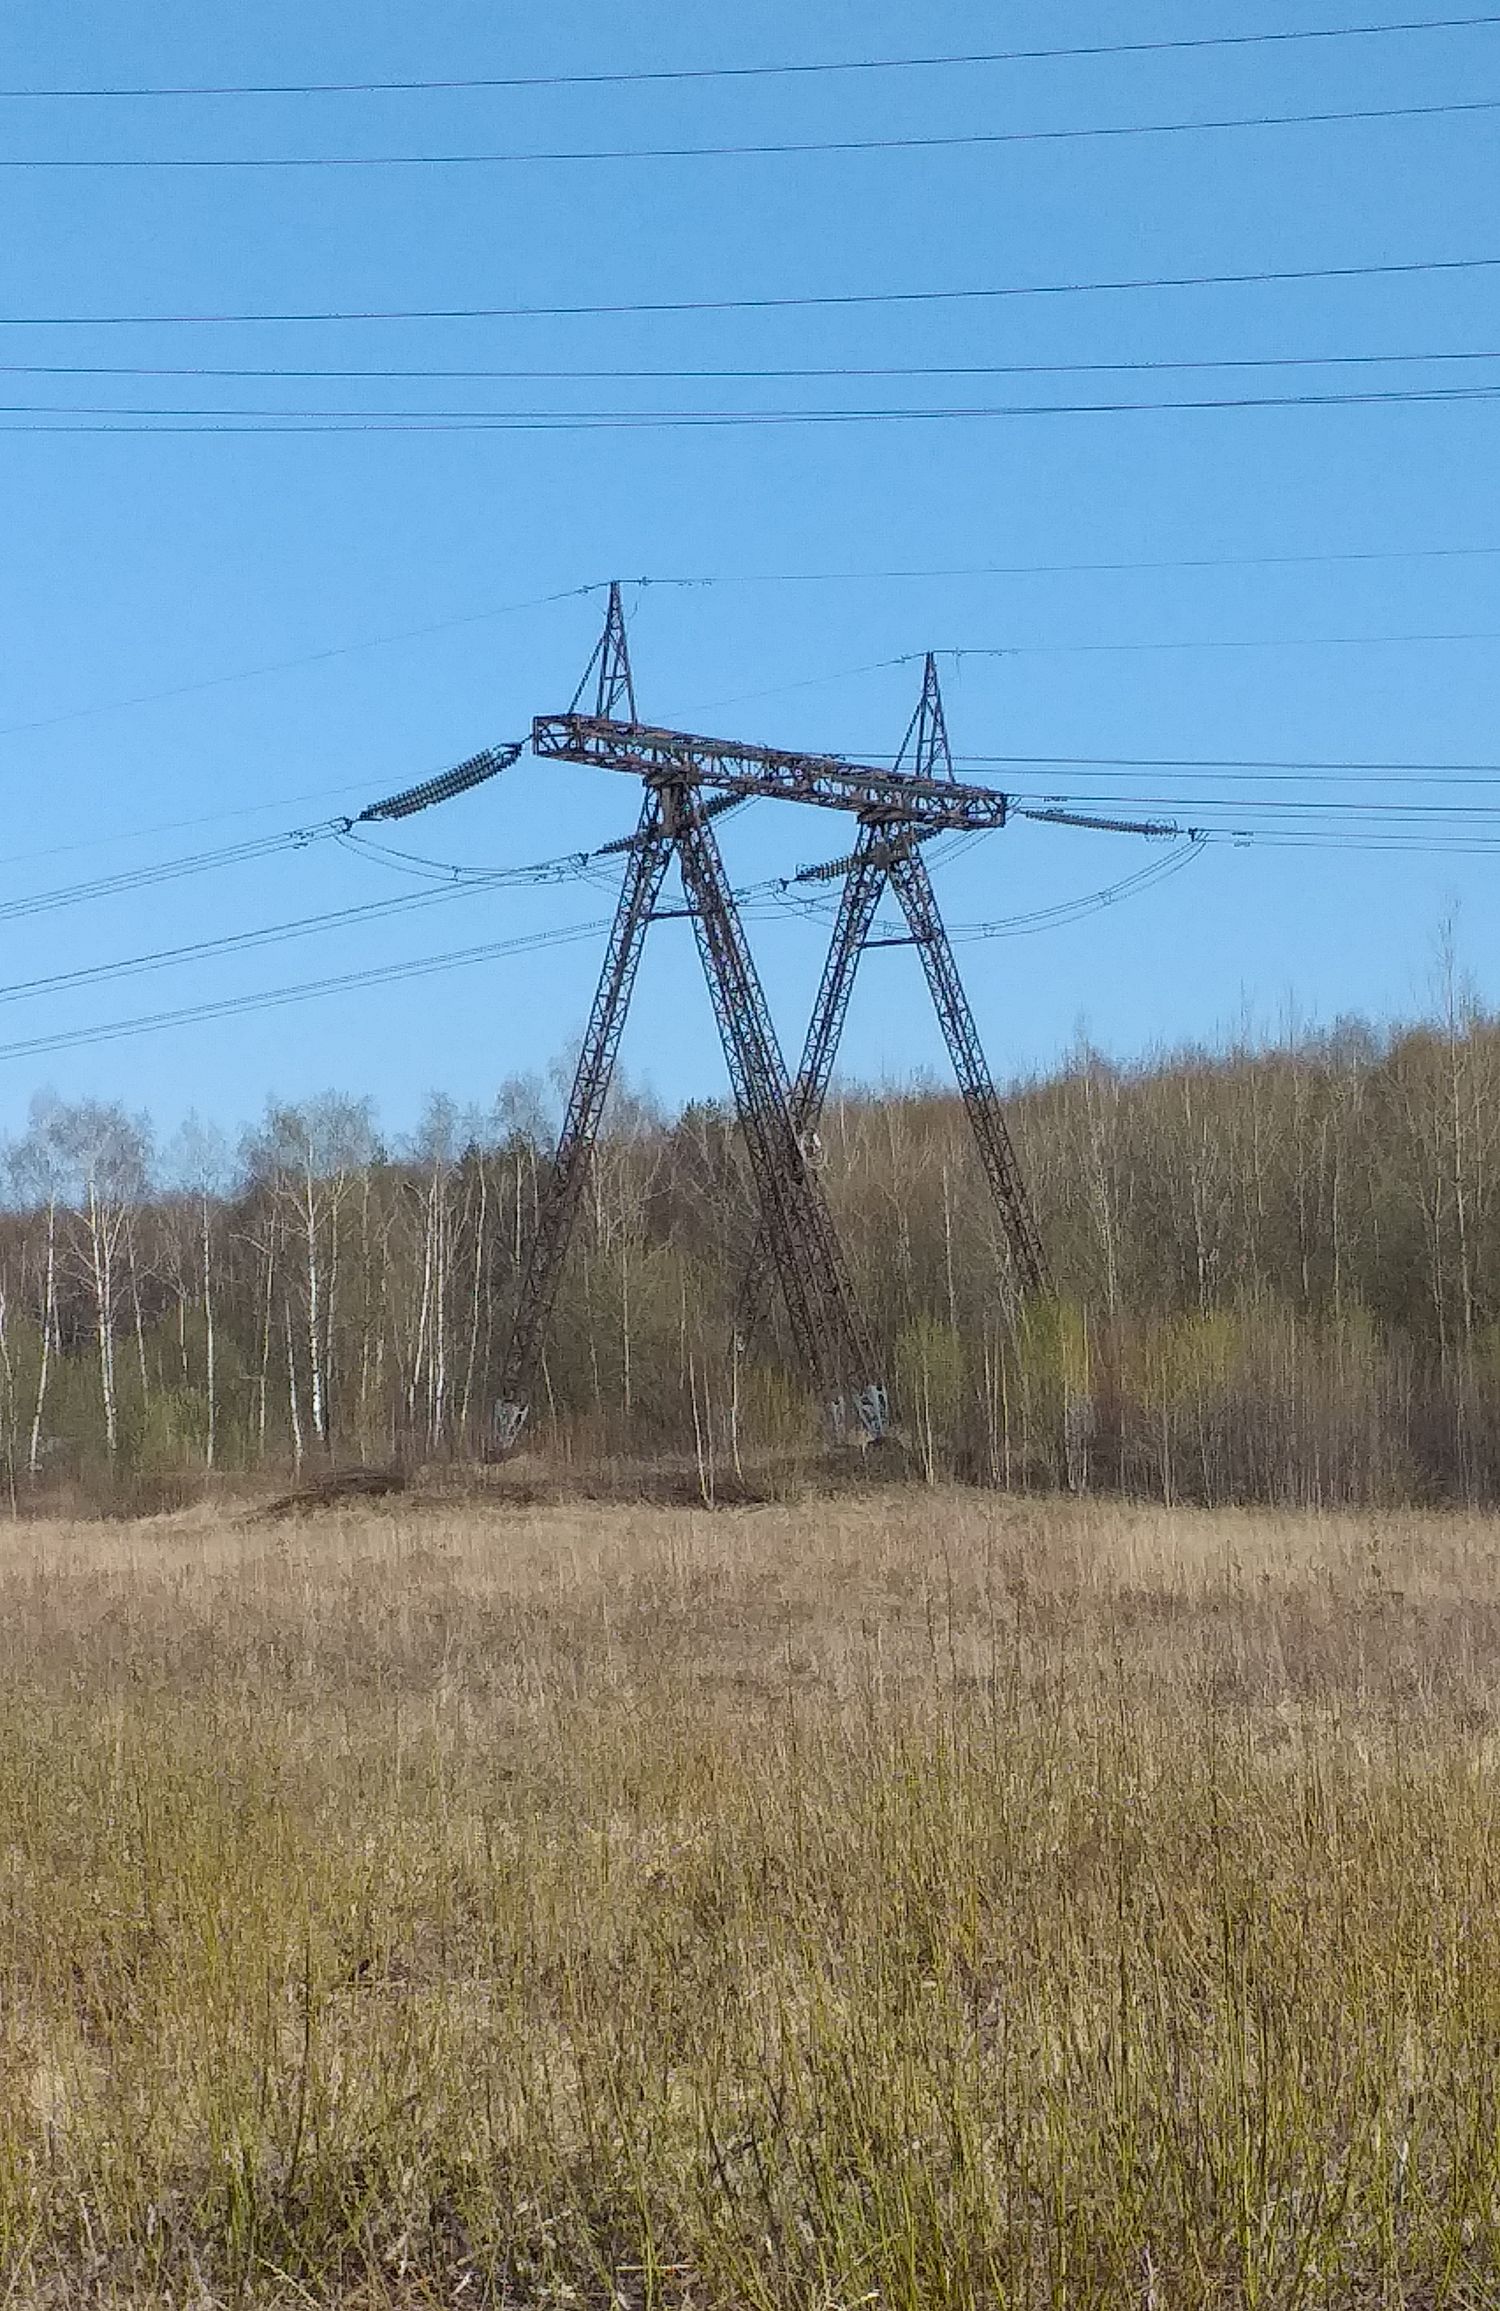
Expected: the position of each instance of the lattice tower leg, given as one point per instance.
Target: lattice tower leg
(857, 904)
(913, 886)
(558, 1210)
(826, 1325)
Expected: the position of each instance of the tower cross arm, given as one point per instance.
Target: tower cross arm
(731, 766)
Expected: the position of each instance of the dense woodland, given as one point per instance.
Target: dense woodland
(1276, 1269)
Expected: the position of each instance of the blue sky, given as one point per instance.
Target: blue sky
(1342, 540)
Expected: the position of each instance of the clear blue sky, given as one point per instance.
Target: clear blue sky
(140, 563)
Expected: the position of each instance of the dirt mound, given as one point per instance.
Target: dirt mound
(336, 1487)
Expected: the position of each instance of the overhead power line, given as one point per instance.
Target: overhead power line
(1404, 841)
(1279, 812)
(841, 300)
(272, 998)
(1338, 810)
(576, 865)
(456, 881)
(43, 418)
(232, 943)
(1071, 569)
(836, 371)
(1124, 567)
(1075, 649)
(788, 900)
(460, 958)
(1067, 911)
(1244, 642)
(1396, 844)
(672, 75)
(294, 665)
(573, 867)
(180, 825)
(1351, 810)
(1210, 766)
(130, 879)
(789, 148)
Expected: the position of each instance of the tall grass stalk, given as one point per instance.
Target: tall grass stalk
(914, 1901)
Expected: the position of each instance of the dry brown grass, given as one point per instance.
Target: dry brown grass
(914, 1900)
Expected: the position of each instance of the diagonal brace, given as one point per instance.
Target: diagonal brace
(858, 901)
(648, 861)
(798, 1225)
(913, 887)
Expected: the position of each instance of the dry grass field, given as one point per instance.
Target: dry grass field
(921, 1899)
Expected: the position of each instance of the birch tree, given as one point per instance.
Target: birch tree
(107, 1152)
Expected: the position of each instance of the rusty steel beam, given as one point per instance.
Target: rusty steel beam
(728, 766)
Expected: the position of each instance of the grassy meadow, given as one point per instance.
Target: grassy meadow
(913, 1899)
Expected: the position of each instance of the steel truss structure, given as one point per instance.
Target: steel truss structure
(887, 856)
(801, 1240)
(689, 781)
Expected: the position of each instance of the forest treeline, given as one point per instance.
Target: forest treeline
(1276, 1275)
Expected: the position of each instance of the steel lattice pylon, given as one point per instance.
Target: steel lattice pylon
(690, 781)
(887, 853)
(796, 1224)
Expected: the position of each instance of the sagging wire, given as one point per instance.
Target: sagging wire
(568, 866)
(231, 1006)
(1157, 870)
(169, 870)
(783, 897)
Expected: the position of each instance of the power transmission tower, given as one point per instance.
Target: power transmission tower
(689, 781)
(887, 855)
(798, 1227)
